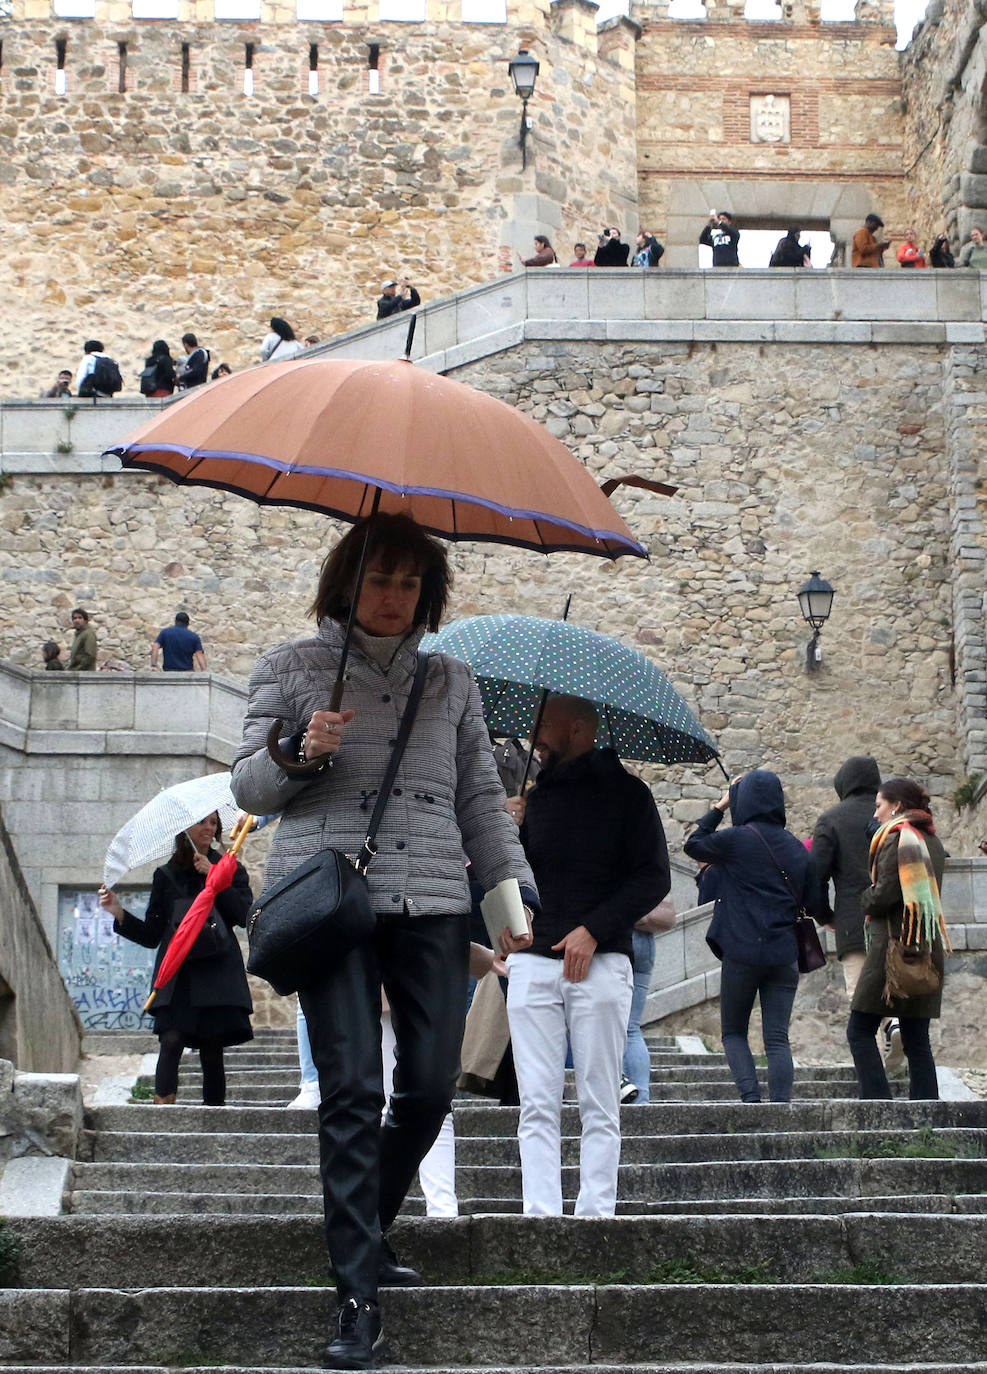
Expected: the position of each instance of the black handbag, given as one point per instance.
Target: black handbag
(213, 939)
(811, 954)
(311, 919)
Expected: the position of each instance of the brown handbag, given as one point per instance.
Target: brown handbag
(909, 971)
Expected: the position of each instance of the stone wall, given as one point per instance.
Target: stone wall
(39, 1030)
(134, 209)
(944, 70)
(829, 456)
(788, 122)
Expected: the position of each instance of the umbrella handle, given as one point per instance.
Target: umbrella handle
(147, 1004)
(291, 767)
(240, 834)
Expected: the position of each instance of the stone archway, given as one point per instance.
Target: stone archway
(840, 206)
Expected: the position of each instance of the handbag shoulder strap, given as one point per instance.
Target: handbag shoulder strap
(369, 849)
(774, 858)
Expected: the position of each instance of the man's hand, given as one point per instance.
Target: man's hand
(579, 946)
(511, 943)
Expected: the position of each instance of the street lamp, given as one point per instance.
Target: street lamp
(816, 602)
(523, 70)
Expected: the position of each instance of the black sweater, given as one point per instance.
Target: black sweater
(595, 843)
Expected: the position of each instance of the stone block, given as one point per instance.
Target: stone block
(483, 347)
(65, 742)
(678, 997)
(908, 332)
(976, 937)
(55, 701)
(699, 958)
(33, 1186)
(671, 295)
(957, 297)
(490, 309)
(615, 293)
(973, 190)
(650, 331)
(15, 696)
(136, 742)
(171, 700)
(745, 295)
(106, 701)
(437, 326)
(558, 295)
(669, 959)
(34, 1326)
(866, 295)
(960, 333)
(535, 330)
(738, 331)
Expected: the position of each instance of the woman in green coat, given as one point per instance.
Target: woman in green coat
(907, 861)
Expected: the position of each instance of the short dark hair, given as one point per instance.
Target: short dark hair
(725, 214)
(190, 339)
(92, 346)
(65, 372)
(394, 539)
(911, 795)
(577, 246)
(79, 611)
(50, 649)
(181, 617)
(875, 220)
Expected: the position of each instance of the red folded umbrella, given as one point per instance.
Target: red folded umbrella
(219, 877)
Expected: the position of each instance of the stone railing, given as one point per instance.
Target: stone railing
(552, 304)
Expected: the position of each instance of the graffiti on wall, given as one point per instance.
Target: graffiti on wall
(108, 978)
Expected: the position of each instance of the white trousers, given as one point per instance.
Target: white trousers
(542, 1006)
(437, 1171)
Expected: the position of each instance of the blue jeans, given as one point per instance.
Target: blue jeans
(776, 985)
(637, 1058)
(872, 1081)
(306, 1064)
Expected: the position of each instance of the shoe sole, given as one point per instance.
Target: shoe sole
(896, 1055)
(383, 1281)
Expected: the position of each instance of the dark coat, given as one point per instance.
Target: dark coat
(840, 846)
(597, 849)
(219, 981)
(393, 305)
(612, 253)
(882, 901)
(164, 370)
(754, 918)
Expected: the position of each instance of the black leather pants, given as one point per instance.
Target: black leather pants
(422, 963)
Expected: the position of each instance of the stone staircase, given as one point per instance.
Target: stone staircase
(824, 1234)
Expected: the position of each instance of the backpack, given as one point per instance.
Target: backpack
(105, 378)
(149, 379)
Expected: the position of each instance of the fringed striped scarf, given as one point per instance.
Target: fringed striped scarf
(922, 918)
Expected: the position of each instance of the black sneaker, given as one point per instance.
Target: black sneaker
(394, 1274)
(628, 1090)
(358, 1342)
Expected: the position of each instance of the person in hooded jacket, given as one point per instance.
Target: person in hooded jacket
(840, 844)
(765, 876)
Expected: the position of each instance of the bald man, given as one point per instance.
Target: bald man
(594, 840)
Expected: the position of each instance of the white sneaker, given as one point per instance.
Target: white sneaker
(307, 1100)
(895, 1055)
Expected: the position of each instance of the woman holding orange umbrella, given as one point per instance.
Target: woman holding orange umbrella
(207, 1004)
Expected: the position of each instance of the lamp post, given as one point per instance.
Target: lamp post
(816, 602)
(523, 69)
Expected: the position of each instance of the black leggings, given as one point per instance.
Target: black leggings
(211, 1059)
(861, 1034)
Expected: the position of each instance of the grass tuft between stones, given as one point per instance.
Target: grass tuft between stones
(10, 1254)
(922, 1144)
(142, 1091)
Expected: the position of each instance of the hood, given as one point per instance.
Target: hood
(757, 797)
(859, 774)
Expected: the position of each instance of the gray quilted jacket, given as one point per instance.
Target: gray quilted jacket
(447, 803)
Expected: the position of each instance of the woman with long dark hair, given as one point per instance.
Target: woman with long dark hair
(207, 1004)
(280, 344)
(907, 861)
(447, 807)
(159, 371)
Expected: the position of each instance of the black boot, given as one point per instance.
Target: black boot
(358, 1342)
(394, 1274)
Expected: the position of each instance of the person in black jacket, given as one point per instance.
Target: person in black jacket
(597, 849)
(720, 235)
(392, 302)
(790, 253)
(158, 377)
(195, 369)
(611, 251)
(766, 875)
(207, 1004)
(840, 848)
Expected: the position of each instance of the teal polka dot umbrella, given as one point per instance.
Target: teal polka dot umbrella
(518, 657)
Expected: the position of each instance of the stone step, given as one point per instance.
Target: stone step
(273, 1094)
(479, 1118)
(510, 1326)
(847, 1178)
(964, 1367)
(214, 1150)
(80, 1251)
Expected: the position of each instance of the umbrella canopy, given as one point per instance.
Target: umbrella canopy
(516, 658)
(328, 435)
(150, 834)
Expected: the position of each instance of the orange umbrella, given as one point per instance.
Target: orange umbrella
(219, 877)
(331, 435)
